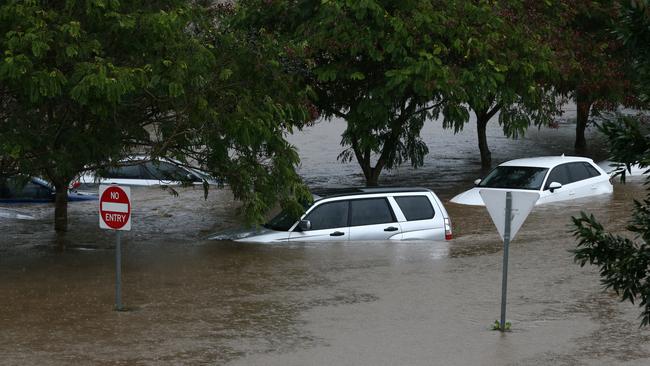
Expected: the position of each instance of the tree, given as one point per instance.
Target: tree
(633, 32)
(624, 262)
(508, 70)
(593, 63)
(83, 85)
(385, 67)
(255, 100)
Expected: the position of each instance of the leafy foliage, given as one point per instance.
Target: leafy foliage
(507, 69)
(633, 32)
(589, 54)
(386, 67)
(380, 65)
(83, 84)
(625, 262)
(595, 66)
(497, 326)
(254, 101)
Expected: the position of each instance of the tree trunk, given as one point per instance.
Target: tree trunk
(371, 174)
(583, 105)
(373, 179)
(486, 155)
(61, 207)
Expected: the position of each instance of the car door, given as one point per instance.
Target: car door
(329, 222)
(373, 219)
(586, 180)
(561, 175)
(132, 174)
(421, 221)
(581, 185)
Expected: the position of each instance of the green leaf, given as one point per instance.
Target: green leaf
(357, 76)
(71, 51)
(175, 89)
(225, 74)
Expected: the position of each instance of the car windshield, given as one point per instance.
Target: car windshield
(516, 177)
(283, 221)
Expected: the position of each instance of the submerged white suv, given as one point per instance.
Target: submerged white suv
(359, 214)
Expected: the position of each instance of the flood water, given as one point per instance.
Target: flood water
(194, 301)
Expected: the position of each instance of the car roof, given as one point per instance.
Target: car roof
(340, 192)
(545, 161)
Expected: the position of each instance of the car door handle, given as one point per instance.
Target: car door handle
(391, 228)
(337, 233)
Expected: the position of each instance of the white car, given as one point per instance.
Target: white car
(556, 178)
(610, 168)
(141, 171)
(360, 214)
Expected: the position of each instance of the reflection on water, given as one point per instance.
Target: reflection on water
(195, 301)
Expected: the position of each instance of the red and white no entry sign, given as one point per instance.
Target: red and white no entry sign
(114, 207)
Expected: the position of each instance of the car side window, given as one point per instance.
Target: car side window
(35, 190)
(370, 211)
(14, 188)
(165, 171)
(329, 215)
(592, 171)
(415, 207)
(124, 172)
(559, 174)
(578, 172)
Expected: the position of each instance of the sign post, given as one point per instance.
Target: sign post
(506, 247)
(508, 211)
(115, 214)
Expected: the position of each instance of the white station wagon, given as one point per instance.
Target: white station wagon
(556, 178)
(359, 214)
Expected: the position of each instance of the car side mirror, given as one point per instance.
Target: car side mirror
(304, 225)
(553, 186)
(477, 182)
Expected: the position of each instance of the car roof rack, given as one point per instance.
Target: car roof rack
(338, 192)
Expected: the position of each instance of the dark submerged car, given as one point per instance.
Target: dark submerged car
(19, 189)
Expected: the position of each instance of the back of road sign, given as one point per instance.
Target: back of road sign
(522, 204)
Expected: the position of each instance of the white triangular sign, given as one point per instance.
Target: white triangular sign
(522, 204)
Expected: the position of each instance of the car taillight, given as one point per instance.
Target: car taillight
(448, 235)
(74, 185)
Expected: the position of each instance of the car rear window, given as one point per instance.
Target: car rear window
(415, 207)
(370, 211)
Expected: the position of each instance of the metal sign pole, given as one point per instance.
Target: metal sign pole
(118, 271)
(506, 244)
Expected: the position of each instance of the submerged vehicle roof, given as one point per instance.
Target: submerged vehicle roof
(545, 161)
(340, 192)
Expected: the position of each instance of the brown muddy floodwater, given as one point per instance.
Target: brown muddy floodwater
(193, 301)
